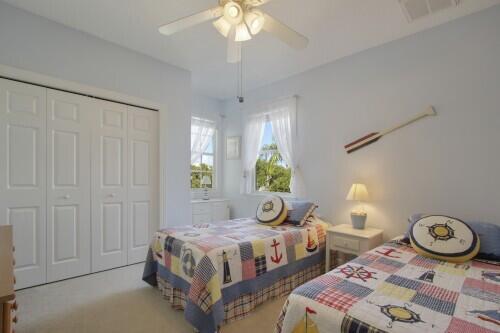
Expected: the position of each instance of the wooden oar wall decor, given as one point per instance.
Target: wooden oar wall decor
(375, 136)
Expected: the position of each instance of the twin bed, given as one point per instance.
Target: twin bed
(393, 289)
(219, 272)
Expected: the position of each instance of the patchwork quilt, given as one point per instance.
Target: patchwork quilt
(216, 263)
(392, 289)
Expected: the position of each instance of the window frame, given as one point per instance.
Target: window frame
(215, 160)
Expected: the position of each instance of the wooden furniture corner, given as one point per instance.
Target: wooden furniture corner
(7, 294)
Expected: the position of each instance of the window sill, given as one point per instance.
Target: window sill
(197, 193)
(201, 190)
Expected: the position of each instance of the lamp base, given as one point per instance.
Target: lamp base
(205, 194)
(358, 220)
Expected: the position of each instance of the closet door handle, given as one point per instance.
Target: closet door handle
(67, 196)
(112, 195)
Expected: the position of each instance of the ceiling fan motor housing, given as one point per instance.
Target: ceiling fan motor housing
(223, 2)
(245, 4)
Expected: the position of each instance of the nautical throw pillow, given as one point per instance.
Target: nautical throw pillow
(444, 238)
(488, 233)
(272, 211)
(299, 211)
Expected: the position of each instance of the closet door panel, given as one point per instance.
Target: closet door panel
(22, 156)
(143, 181)
(112, 221)
(109, 194)
(22, 176)
(140, 211)
(68, 185)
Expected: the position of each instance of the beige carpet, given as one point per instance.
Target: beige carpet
(116, 301)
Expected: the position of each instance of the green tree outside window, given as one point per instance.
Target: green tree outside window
(271, 172)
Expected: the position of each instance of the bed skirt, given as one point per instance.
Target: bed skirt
(242, 306)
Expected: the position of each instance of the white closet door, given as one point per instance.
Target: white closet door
(143, 181)
(109, 191)
(22, 176)
(68, 185)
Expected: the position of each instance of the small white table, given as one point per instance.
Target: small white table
(212, 210)
(344, 238)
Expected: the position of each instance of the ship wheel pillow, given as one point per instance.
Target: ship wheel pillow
(444, 238)
(272, 211)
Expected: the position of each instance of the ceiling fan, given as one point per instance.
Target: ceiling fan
(238, 21)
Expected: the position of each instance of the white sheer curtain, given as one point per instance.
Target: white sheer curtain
(202, 131)
(283, 118)
(252, 140)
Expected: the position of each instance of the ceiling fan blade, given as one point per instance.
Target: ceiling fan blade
(192, 20)
(256, 3)
(284, 33)
(233, 49)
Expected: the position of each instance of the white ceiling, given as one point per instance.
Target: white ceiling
(336, 28)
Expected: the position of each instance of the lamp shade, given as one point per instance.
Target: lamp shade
(206, 180)
(222, 26)
(255, 21)
(358, 192)
(242, 33)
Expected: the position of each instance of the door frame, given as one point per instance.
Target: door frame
(70, 86)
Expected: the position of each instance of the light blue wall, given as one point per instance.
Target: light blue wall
(213, 109)
(448, 164)
(39, 45)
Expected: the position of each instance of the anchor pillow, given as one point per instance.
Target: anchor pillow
(272, 210)
(444, 238)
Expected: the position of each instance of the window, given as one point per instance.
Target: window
(272, 174)
(203, 153)
(270, 162)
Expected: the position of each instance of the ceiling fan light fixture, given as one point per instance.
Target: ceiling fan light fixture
(255, 21)
(222, 26)
(242, 33)
(233, 12)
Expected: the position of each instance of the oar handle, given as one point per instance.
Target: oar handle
(430, 111)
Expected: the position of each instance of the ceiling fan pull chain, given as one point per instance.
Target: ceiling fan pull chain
(237, 80)
(240, 97)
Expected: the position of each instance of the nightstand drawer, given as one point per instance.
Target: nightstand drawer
(344, 239)
(201, 218)
(202, 208)
(346, 243)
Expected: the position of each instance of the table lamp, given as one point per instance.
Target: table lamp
(206, 180)
(359, 193)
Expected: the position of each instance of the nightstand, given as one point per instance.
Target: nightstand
(345, 239)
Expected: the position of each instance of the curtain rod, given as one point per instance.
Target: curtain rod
(270, 102)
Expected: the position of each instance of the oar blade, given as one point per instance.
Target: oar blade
(362, 142)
